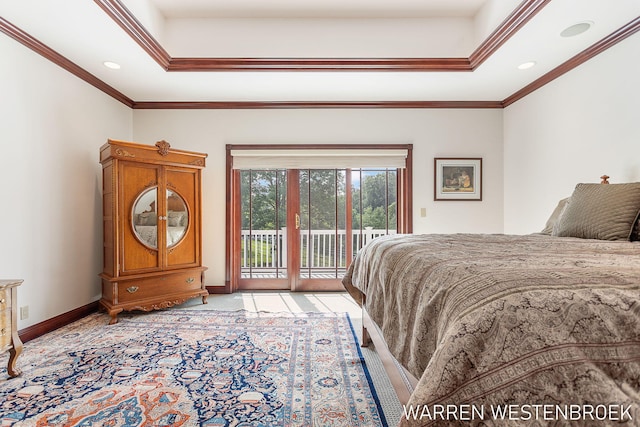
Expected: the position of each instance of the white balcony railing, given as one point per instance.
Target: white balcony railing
(320, 249)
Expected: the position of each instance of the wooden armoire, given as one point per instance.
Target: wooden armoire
(151, 199)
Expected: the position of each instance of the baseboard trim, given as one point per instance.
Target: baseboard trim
(50, 325)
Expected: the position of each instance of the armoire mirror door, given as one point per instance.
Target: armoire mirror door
(182, 225)
(144, 218)
(139, 207)
(177, 218)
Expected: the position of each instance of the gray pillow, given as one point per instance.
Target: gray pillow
(555, 215)
(175, 219)
(600, 211)
(147, 218)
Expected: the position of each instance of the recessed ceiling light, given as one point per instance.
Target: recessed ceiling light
(112, 65)
(526, 65)
(576, 29)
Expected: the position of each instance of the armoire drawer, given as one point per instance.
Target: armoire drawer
(5, 300)
(133, 290)
(9, 339)
(5, 328)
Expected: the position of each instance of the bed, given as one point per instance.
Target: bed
(145, 226)
(545, 326)
(149, 234)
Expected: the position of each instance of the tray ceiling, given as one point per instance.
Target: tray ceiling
(330, 51)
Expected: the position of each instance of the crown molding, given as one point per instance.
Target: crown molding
(320, 64)
(130, 24)
(512, 24)
(229, 105)
(40, 48)
(617, 36)
(125, 19)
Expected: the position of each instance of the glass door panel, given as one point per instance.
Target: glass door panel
(322, 224)
(301, 228)
(263, 243)
(374, 202)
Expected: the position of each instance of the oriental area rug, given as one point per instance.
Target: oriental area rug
(194, 368)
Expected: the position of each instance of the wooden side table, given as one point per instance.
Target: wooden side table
(9, 339)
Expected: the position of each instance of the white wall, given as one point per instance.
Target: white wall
(572, 130)
(52, 126)
(433, 133)
(575, 129)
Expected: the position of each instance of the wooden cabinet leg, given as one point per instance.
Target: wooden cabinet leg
(114, 316)
(12, 369)
(204, 299)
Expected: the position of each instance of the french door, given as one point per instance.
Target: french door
(299, 229)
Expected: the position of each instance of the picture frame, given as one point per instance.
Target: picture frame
(458, 178)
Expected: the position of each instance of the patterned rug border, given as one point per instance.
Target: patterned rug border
(132, 319)
(263, 313)
(374, 392)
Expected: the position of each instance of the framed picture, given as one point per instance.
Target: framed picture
(458, 178)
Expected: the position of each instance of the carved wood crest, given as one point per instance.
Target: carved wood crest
(124, 153)
(163, 147)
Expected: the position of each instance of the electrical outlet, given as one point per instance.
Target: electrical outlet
(24, 312)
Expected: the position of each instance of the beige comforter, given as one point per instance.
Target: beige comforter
(486, 321)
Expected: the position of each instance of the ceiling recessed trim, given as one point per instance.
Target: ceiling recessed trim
(40, 48)
(128, 22)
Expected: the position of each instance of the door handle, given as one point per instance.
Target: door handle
(297, 222)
